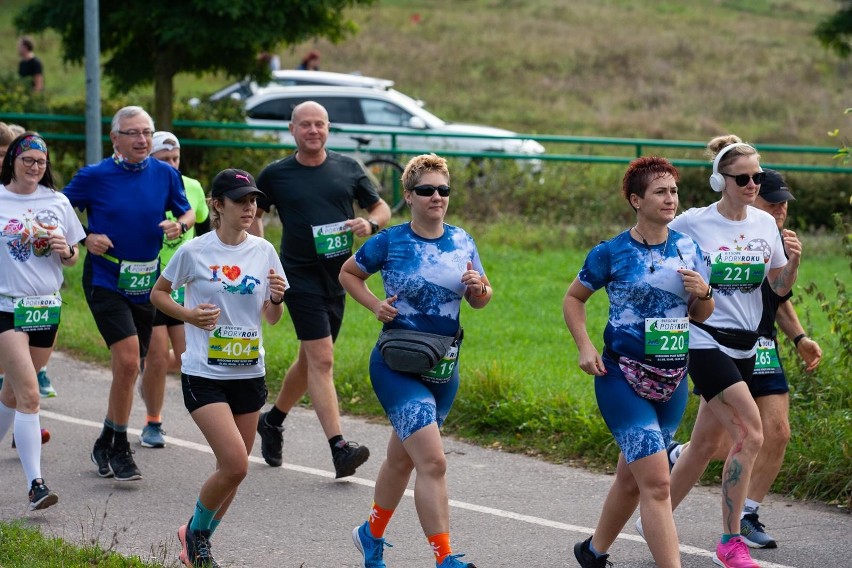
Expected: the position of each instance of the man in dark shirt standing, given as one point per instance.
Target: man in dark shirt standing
(30, 65)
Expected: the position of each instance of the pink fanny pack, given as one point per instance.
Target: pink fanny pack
(652, 383)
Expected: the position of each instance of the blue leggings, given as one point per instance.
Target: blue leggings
(640, 427)
(409, 401)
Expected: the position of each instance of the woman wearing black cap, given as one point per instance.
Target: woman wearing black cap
(232, 281)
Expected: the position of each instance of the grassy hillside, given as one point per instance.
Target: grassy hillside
(662, 69)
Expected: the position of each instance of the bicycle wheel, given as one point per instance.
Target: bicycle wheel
(387, 175)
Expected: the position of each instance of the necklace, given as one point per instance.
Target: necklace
(650, 250)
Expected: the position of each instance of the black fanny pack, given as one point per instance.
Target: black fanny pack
(417, 352)
(731, 338)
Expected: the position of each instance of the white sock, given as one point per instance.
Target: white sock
(7, 418)
(749, 507)
(675, 453)
(28, 442)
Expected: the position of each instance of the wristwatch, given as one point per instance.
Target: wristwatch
(183, 228)
(374, 227)
(709, 293)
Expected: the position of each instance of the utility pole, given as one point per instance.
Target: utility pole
(94, 147)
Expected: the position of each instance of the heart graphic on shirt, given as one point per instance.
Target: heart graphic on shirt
(231, 272)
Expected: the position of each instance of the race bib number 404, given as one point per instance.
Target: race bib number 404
(37, 313)
(332, 240)
(737, 270)
(233, 346)
(666, 340)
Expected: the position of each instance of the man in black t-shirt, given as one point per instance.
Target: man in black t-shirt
(313, 191)
(30, 65)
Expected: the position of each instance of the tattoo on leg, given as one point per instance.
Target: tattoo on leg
(730, 479)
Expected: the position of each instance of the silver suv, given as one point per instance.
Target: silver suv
(375, 110)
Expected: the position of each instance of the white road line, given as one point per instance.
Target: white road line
(685, 549)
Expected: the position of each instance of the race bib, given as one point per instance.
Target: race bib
(666, 340)
(233, 346)
(137, 278)
(737, 270)
(178, 295)
(332, 240)
(443, 371)
(766, 361)
(37, 313)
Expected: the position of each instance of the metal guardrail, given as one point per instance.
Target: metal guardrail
(638, 145)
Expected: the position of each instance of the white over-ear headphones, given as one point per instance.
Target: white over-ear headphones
(717, 180)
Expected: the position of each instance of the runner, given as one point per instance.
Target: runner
(40, 232)
(233, 281)
(428, 268)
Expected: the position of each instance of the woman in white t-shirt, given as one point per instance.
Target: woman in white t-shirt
(39, 235)
(742, 247)
(232, 281)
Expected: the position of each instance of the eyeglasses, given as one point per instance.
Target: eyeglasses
(30, 162)
(429, 190)
(147, 133)
(742, 179)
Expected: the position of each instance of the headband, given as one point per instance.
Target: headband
(30, 142)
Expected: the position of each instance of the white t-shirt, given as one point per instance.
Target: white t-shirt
(234, 278)
(737, 252)
(27, 265)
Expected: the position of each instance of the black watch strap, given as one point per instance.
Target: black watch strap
(374, 226)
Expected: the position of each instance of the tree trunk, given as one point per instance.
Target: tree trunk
(163, 92)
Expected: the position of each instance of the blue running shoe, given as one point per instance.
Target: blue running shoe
(152, 435)
(372, 548)
(45, 389)
(452, 561)
(753, 533)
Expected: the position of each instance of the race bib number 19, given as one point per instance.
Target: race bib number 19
(332, 240)
(443, 371)
(233, 346)
(37, 313)
(666, 340)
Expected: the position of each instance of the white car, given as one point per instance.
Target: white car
(376, 111)
(296, 77)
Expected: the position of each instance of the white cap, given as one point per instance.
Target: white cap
(164, 140)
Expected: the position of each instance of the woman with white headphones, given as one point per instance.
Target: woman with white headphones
(742, 246)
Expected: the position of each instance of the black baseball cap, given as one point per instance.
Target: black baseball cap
(233, 184)
(774, 188)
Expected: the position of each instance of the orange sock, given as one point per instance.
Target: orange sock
(379, 519)
(153, 419)
(440, 546)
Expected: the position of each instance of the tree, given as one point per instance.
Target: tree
(152, 41)
(835, 33)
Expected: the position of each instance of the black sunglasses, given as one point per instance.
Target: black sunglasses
(742, 179)
(429, 190)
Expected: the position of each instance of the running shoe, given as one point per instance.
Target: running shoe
(587, 558)
(452, 561)
(195, 548)
(753, 534)
(45, 389)
(40, 496)
(734, 554)
(122, 465)
(271, 441)
(100, 457)
(639, 527)
(372, 548)
(45, 437)
(348, 456)
(673, 451)
(152, 435)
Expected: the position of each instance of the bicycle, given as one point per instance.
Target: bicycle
(385, 173)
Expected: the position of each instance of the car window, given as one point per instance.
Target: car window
(383, 113)
(275, 109)
(341, 110)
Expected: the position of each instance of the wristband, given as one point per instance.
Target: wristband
(278, 303)
(72, 249)
(798, 338)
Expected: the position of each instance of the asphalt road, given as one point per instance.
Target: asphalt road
(506, 510)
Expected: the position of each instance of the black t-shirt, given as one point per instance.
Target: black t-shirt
(30, 68)
(311, 196)
(771, 302)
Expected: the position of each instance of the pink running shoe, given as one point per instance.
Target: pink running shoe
(734, 554)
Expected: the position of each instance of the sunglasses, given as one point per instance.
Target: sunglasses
(742, 179)
(429, 190)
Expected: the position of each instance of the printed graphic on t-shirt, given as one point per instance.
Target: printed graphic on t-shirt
(740, 268)
(233, 280)
(29, 235)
